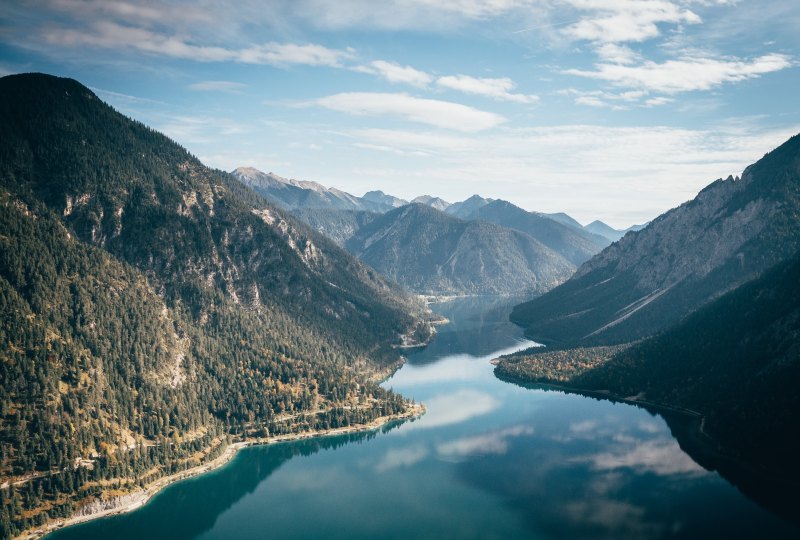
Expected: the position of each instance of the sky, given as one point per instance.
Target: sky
(605, 109)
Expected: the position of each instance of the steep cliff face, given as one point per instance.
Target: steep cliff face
(431, 252)
(730, 233)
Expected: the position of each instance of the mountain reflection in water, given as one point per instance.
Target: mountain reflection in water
(489, 460)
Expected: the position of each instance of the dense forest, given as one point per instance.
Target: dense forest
(152, 309)
(735, 361)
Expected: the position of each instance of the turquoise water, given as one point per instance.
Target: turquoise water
(488, 460)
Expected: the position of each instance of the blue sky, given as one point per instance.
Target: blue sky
(610, 109)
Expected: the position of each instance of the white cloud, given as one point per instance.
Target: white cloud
(229, 87)
(107, 34)
(579, 169)
(615, 21)
(685, 74)
(291, 53)
(442, 114)
(656, 101)
(617, 54)
(395, 73)
(499, 89)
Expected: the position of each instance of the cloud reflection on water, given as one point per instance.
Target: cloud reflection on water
(660, 456)
(454, 408)
(401, 457)
(495, 442)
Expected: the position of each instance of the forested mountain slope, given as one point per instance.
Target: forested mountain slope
(734, 230)
(736, 361)
(431, 252)
(152, 307)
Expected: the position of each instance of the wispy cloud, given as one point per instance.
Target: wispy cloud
(112, 35)
(499, 89)
(229, 87)
(404, 14)
(433, 112)
(685, 74)
(395, 73)
(601, 98)
(657, 167)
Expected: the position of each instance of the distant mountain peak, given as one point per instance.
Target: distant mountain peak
(292, 194)
(433, 202)
(467, 206)
(379, 197)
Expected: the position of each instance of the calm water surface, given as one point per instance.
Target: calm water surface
(488, 460)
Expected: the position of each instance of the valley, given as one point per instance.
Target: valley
(160, 315)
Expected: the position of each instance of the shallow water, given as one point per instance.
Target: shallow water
(489, 460)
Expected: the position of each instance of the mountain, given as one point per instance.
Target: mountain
(734, 363)
(737, 361)
(465, 208)
(153, 309)
(384, 200)
(564, 219)
(733, 231)
(431, 252)
(338, 225)
(602, 229)
(433, 202)
(577, 246)
(292, 194)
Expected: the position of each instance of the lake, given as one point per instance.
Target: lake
(489, 460)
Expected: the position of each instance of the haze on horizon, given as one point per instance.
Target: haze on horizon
(605, 109)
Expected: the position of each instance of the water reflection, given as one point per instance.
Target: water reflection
(607, 479)
(478, 326)
(198, 502)
(488, 460)
(455, 407)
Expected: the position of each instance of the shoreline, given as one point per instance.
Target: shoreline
(139, 498)
(703, 445)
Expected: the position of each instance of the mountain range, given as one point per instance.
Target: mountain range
(431, 252)
(575, 245)
(532, 264)
(153, 308)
